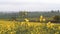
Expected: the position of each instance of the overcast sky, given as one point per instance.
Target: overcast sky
(29, 5)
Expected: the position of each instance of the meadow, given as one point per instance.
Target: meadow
(15, 27)
(32, 23)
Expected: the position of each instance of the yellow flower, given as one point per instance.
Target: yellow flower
(29, 24)
(26, 20)
(49, 24)
(8, 26)
(44, 19)
(41, 16)
(13, 32)
(22, 23)
(52, 25)
(59, 27)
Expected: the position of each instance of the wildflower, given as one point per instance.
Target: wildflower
(41, 18)
(48, 24)
(13, 32)
(8, 26)
(59, 27)
(29, 24)
(44, 19)
(22, 23)
(52, 25)
(0, 32)
(31, 32)
(26, 20)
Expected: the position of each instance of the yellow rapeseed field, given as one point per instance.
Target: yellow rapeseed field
(15, 27)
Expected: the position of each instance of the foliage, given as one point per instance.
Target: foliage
(56, 17)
